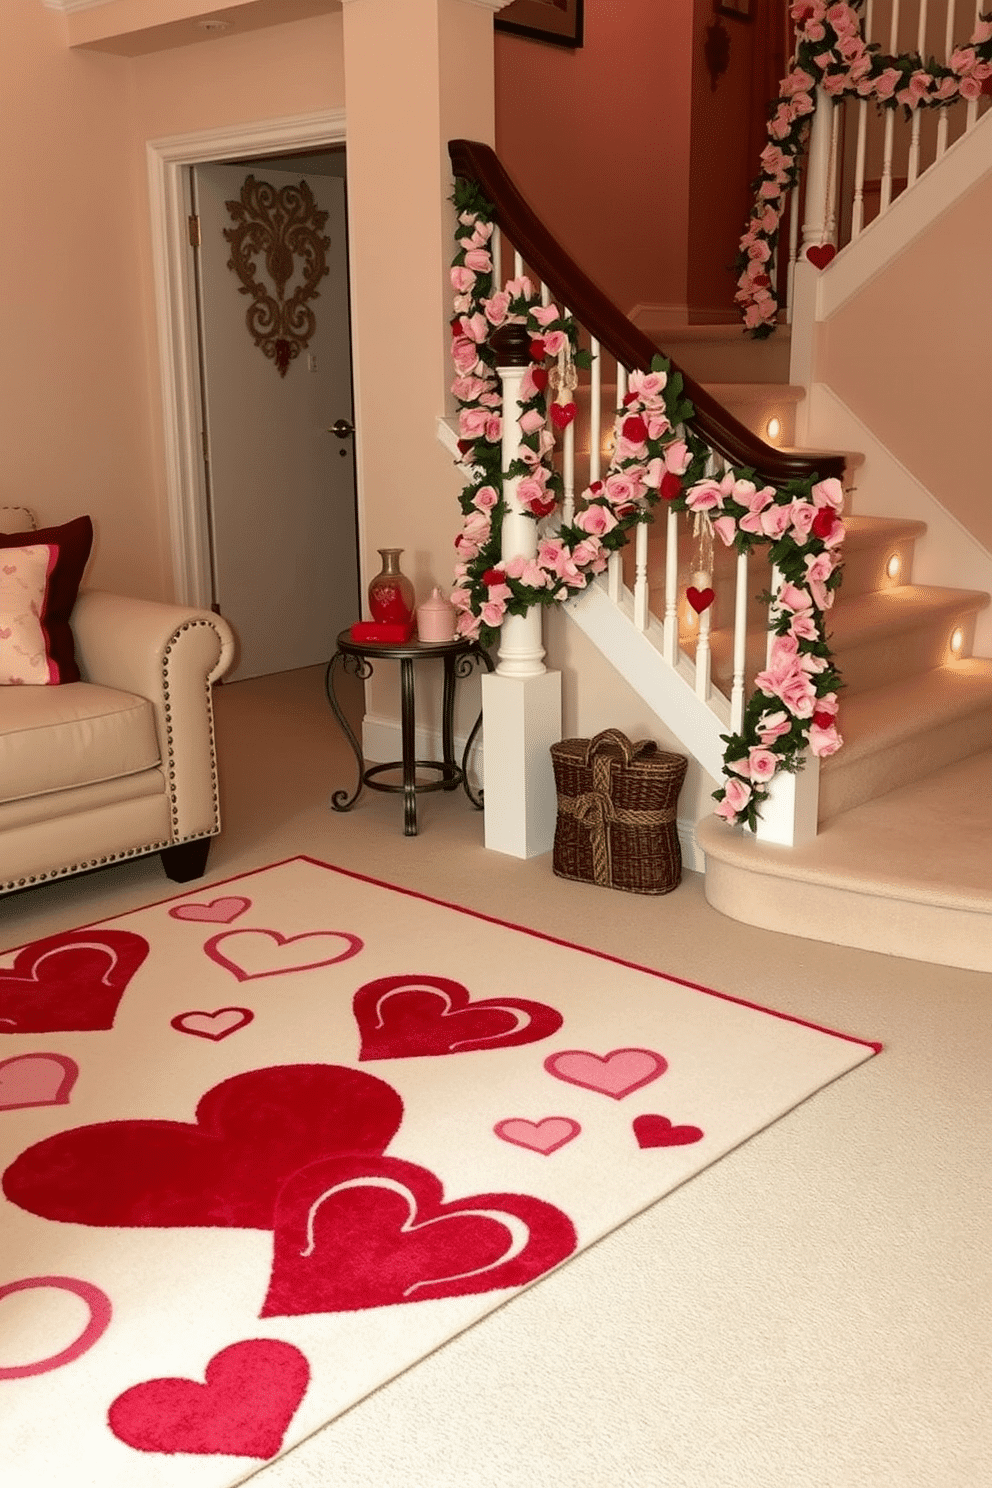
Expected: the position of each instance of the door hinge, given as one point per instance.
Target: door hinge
(194, 231)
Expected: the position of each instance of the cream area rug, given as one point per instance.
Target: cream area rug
(267, 1144)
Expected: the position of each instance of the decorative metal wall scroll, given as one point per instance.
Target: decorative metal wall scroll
(281, 225)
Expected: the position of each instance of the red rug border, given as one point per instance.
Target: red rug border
(478, 914)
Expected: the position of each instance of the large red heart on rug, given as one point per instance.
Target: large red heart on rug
(401, 1017)
(251, 1133)
(68, 983)
(354, 1232)
(251, 1394)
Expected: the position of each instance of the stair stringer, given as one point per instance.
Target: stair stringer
(947, 555)
(637, 656)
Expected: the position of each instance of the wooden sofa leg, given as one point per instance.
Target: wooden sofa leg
(186, 860)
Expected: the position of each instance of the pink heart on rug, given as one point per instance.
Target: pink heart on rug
(5, 632)
(658, 1131)
(251, 1133)
(820, 254)
(562, 414)
(251, 1394)
(217, 912)
(214, 1026)
(615, 1074)
(544, 1136)
(700, 599)
(401, 1017)
(36, 1080)
(354, 1232)
(71, 982)
(249, 954)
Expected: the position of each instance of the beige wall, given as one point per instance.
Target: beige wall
(79, 396)
(911, 354)
(598, 142)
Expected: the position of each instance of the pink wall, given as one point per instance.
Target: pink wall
(597, 139)
(912, 355)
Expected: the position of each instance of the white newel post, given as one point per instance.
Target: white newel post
(521, 700)
(789, 814)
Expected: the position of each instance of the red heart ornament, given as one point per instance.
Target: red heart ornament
(658, 1131)
(402, 1017)
(562, 415)
(251, 1393)
(353, 1233)
(251, 1133)
(820, 254)
(700, 599)
(68, 983)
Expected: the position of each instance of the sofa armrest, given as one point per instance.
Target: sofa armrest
(169, 654)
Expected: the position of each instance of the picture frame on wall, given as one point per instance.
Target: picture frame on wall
(738, 10)
(557, 21)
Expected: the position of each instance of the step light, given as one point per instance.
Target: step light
(773, 429)
(894, 566)
(957, 640)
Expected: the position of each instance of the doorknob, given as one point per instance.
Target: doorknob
(341, 428)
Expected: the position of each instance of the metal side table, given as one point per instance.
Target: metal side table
(458, 657)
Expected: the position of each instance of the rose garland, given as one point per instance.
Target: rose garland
(831, 52)
(656, 458)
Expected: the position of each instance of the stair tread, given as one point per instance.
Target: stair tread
(864, 531)
(881, 717)
(904, 607)
(927, 842)
(740, 392)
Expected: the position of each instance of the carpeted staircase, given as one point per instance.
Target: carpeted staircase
(903, 860)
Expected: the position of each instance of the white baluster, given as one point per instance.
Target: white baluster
(817, 172)
(703, 657)
(890, 122)
(913, 166)
(832, 192)
(545, 295)
(568, 475)
(672, 588)
(793, 250)
(518, 265)
(740, 646)
(497, 253)
(614, 577)
(858, 207)
(943, 123)
(642, 595)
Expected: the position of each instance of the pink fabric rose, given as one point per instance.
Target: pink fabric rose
(596, 519)
(764, 764)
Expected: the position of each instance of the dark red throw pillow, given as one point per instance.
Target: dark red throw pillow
(73, 540)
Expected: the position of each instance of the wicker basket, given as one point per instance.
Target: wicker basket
(616, 813)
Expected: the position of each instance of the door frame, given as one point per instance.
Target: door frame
(168, 160)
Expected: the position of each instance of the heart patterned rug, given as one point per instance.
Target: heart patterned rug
(267, 1144)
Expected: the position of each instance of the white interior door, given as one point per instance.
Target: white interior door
(282, 486)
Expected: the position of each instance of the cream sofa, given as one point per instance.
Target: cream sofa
(121, 763)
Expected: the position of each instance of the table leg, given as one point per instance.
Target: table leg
(451, 770)
(340, 800)
(408, 714)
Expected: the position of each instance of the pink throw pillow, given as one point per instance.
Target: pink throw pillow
(50, 584)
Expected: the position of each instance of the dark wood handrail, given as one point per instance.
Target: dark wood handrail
(476, 162)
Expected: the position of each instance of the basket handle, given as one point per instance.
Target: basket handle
(629, 750)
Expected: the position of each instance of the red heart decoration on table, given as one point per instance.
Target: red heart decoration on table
(700, 599)
(216, 1025)
(69, 983)
(251, 1394)
(402, 1017)
(658, 1131)
(353, 1233)
(562, 415)
(251, 1132)
(820, 254)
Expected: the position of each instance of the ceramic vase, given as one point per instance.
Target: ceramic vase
(391, 596)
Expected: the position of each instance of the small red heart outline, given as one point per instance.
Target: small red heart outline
(562, 414)
(353, 944)
(183, 1022)
(820, 254)
(657, 1131)
(700, 599)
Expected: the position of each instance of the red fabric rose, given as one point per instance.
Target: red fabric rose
(671, 486)
(823, 522)
(635, 429)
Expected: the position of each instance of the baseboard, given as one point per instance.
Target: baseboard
(382, 741)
